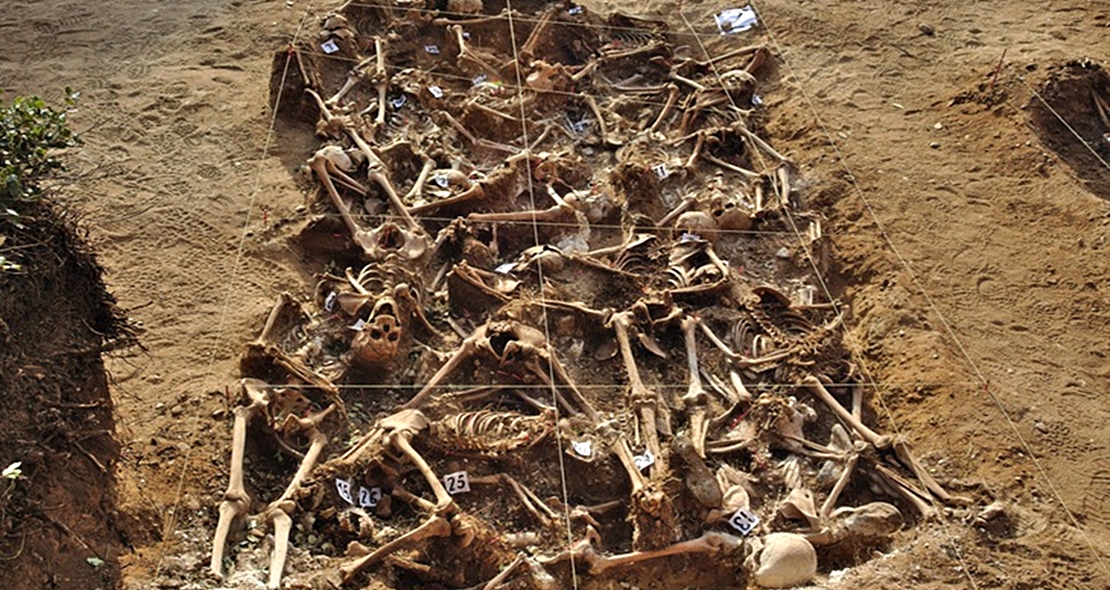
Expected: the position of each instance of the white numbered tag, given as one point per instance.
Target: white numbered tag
(577, 126)
(757, 100)
(436, 91)
(736, 20)
(329, 47)
(744, 521)
(583, 448)
(358, 325)
(369, 498)
(478, 80)
(661, 170)
(344, 488)
(329, 303)
(644, 461)
(399, 101)
(575, 10)
(442, 181)
(456, 483)
(505, 268)
(432, 49)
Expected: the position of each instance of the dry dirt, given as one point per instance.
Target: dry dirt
(969, 231)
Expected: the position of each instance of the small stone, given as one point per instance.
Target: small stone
(938, 125)
(176, 411)
(300, 209)
(926, 29)
(935, 145)
(1040, 427)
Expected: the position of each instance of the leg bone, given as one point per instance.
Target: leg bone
(436, 526)
(236, 502)
(641, 395)
(711, 542)
(467, 349)
(696, 397)
(279, 510)
(815, 386)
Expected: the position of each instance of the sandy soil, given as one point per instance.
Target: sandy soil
(973, 254)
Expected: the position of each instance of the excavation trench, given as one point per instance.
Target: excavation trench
(59, 527)
(1073, 120)
(568, 324)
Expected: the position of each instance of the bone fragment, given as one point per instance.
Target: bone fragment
(465, 351)
(711, 542)
(818, 389)
(672, 98)
(699, 479)
(527, 51)
(830, 502)
(905, 455)
(436, 526)
(402, 427)
(505, 573)
(898, 485)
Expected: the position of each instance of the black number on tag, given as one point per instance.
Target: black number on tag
(456, 483)
(744, 521)
(369, 498)
(344, 488)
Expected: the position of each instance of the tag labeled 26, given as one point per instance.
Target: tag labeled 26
(369, 498)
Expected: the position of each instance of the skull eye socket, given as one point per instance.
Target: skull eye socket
(375, 334)
(393, 336)
(499, 341)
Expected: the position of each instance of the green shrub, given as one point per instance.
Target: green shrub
(29, 131)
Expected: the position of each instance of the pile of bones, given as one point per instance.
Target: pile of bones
(567, 327)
